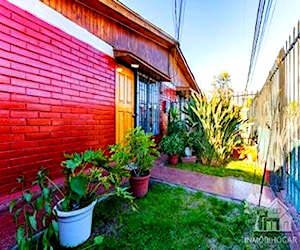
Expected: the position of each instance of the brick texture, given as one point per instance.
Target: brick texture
(55, 92)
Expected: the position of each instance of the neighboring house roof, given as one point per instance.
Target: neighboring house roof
(121, 14)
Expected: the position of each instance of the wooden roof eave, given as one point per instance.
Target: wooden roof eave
(121, 14)
(129, 58)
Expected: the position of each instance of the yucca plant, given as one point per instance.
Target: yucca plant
(220, 125)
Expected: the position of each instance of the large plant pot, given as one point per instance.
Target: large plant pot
(173, 159)
(189, 159)
(139, 185)
(74, 227)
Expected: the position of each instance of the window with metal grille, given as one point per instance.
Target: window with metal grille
(147, 104)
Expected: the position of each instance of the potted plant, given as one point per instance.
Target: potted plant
(189, 139)
(137, 151)
(172, 145)
(83, 178)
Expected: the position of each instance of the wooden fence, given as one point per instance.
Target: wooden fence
(276, 114)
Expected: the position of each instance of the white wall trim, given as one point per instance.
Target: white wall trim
(49, 15)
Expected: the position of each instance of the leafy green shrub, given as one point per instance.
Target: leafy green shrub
(218, 123)
(34, 211)
(175, 125)
(172, 144)
(137, 148)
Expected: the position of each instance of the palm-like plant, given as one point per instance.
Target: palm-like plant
(219, 123)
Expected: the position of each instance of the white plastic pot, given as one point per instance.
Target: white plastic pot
(188, 151)
(74, 227)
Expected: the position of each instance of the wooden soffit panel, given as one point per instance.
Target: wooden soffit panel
(128, 58)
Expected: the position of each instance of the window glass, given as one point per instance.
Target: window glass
(148, 104)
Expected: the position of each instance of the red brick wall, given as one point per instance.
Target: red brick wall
(56, 94)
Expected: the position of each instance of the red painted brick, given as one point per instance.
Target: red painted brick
(24, 144)
(50, 88)
(49, 115)
(8, 122)
(60, 109)
(24, 129)
(24, 160)
(70, 92)
(4, 129)
(24, 98)
(37, 136)
(23, 20)
(41, 51)
(4, 79)
(4, 46)
(50, 61)
(8, 38)
(10, 154)
(37, 78)
(4, 96)
(60, 96)
(61, 46)
(36, 92)
(24, 52)
(50, 101)
(9, 22)
(23, 37)
(60, 122)
(24, 83)
(50, 75)
(12, 73)
(51, 34)
(58, 79)
(11, 105)
(37, 35)
(12, 89)
(61, 58)
(25, 68)
(38, 122)
(38, 107)
(78, 76)
(23, 114)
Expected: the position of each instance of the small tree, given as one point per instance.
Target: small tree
(221, 85)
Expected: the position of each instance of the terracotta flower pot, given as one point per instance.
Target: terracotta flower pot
(173, 159)
(139, 185)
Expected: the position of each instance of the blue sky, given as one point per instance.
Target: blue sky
(217, 35)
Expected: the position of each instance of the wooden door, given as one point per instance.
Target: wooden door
(124, 102)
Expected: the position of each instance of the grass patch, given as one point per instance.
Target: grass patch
(173, 218)
(242, 170)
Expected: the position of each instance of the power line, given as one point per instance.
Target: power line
(178, 17)
(261, 24)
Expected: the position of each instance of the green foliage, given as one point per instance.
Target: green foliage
(175, 124)
(172, 218)
(34, 212)
(138, 149)
(172, 144)
(218, 124)
(242, 170)
(84, 174)
(221, 86)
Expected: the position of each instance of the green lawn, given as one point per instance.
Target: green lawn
(242, 170)
(173, 218)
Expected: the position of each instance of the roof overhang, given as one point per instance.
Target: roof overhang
(184, 91)
(128, 58)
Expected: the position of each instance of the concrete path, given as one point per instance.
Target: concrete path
(221, 186)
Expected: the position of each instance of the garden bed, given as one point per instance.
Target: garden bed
(242, 170)
(173, 218)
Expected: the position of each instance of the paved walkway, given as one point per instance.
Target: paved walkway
(222, 186)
